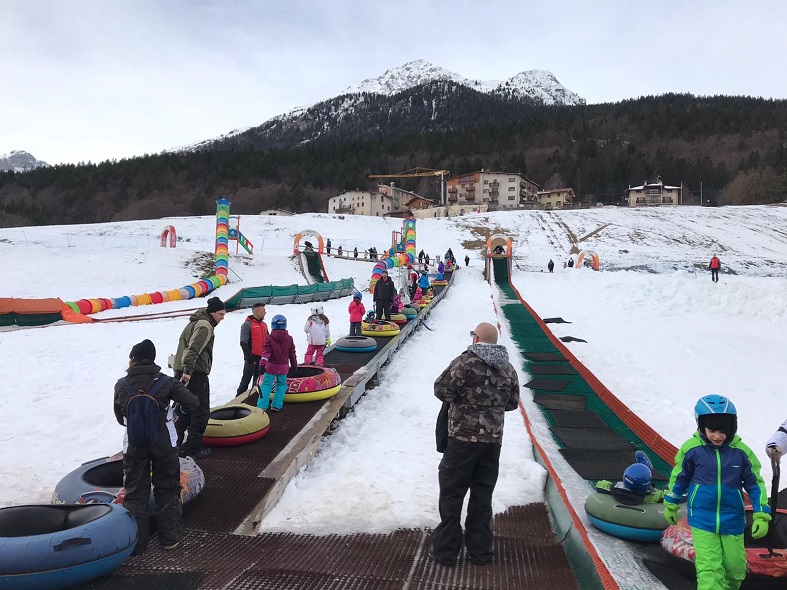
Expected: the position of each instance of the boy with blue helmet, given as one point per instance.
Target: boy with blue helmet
(636, 486)
(712, 468)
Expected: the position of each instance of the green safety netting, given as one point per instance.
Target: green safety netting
(290, 294)
(531, 338)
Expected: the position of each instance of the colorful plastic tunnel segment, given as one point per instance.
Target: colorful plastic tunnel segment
(401, 253)
(587, 256)
(222, 236)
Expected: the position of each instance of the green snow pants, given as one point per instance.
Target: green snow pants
(720, 560)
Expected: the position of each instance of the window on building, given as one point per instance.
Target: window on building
(511, 197)
(640, 200)
(557, 204)
(486, 182)
(511, 188)
(382, 198)
(654, 191)
(512, 180)
(486, 190)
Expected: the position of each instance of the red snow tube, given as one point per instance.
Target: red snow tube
(678, 542)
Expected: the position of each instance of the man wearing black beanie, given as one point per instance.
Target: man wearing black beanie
(192, 364)
(158, 462)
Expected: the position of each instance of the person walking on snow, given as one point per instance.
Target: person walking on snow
(318, 336)
(551, 265)
(192, 365)
(158, 462)
(467, 260)
(777, 444)
(357, 310)
(714, 266)
(253, 332)
(278, 355)
(480, 386)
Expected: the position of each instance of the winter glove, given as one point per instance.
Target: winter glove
(759, 527)
(654, 497)
(671, 513)
(774, 452)
(604, 486)
(328, 342)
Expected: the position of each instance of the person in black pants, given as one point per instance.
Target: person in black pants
(384, 292)
(192, 364)
(158, 462)
(480, 386)
(253, 332)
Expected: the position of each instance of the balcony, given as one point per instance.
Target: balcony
(470, 198)
(471, 188)
(452, 198)
(494, 184)
(453, 189)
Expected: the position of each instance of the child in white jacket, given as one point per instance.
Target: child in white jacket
(318, 335)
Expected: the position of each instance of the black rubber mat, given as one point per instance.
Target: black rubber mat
(555, 321)
(781, 499)
(571, 339)
(547, 384)
(286, 579)
(671, 577)
(592, 438)
(551, 370)
(575, 403)
(571, 419)
(596, 464)
(543, 356)
(146, 581)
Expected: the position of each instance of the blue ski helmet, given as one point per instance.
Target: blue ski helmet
(637, 478)
(279, 322)
(717, 413)
(357, 296)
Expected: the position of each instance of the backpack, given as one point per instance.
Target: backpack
(143, 413)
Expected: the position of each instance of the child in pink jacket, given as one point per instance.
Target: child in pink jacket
(356, 310)
(318, 335)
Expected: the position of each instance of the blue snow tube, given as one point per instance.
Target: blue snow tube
(46, 547)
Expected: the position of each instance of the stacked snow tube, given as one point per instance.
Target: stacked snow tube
(307, 383)
(410, 312)
(678, 542)
(235, 424)
(643, 522)
(399, 318)
(439, 282)
(379, 328)
(101, 480)
(50, 547)
(356, 344)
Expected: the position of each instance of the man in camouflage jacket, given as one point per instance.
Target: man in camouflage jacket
(481, 385)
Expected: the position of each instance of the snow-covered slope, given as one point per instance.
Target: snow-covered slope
(20, 161)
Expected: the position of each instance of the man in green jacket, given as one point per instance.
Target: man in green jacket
(192, 365)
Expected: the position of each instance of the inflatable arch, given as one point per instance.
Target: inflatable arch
(296, 248)
(169, 231)
(499, 240)
(587, 256)
(400, 254)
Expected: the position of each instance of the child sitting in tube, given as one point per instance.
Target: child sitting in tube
(636, 487)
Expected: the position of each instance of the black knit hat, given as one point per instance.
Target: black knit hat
(144, 352)
(215, 304)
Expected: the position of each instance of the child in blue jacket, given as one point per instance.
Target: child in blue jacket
(712, 468)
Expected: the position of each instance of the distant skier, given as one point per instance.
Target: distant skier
(551, 265)
(467, 260)
(571, 263)
(714, 266)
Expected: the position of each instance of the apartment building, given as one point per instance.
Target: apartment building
(372, 203)
(498, 190)
(556, 198)
(656, 193)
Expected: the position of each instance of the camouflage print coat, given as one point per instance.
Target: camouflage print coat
(481, 386)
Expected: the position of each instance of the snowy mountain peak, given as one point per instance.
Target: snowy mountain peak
(537, 84)
(19, 161)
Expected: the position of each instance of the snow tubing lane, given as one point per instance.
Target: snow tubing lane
(101, 481)
(235, 424)
(379, 328)
(644, 522)
(50, 547)
(677, 541)
(356, 344)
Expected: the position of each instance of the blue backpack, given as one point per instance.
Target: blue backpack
(143, 413)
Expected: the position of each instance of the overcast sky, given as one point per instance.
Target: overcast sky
(90, 81)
